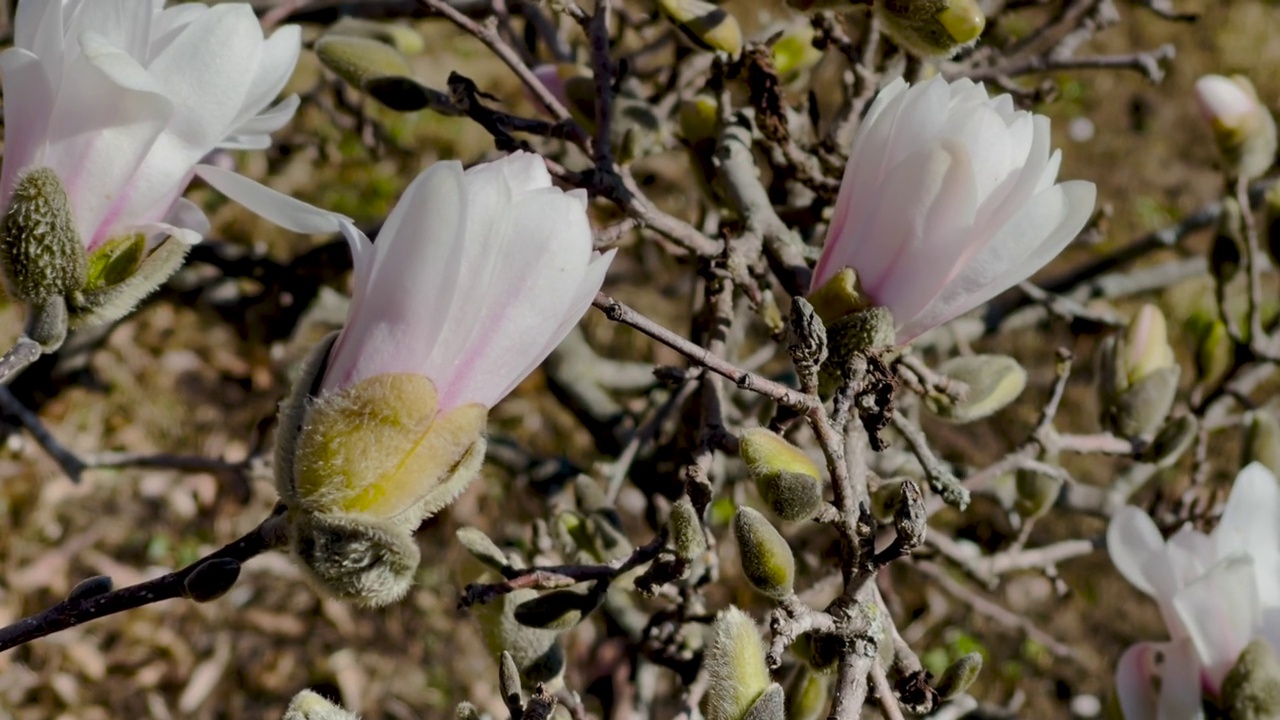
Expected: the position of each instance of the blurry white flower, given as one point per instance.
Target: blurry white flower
(121, 98)
(1243, 128)
(1215, 592)
(948, 199)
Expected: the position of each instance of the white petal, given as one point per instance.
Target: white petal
(26, 115)
(1250, 524)
(254, 133)
(279, 208)
(1132, 540)
(1221, 613)
(1180, 696)
(278, 57)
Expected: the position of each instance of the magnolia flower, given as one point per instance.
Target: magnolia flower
(121, 98)
(1216, 593)
(477, 275)
(947, 200)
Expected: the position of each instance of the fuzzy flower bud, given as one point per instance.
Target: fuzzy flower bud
(401, 37)
(807, 695)
(786, 478)
(949, 197)
(959, 676)
(687, 537)
(994, 381)
(1251, 691)
(770, 706)
(794, 54)
(309, 705)
(103, 130)
(360, 59)
(537, 652)
(1140, 376)
(705, 25)
(932, 28)
(1243, 128)
(766, 557)
(476, 277)
(736, 669)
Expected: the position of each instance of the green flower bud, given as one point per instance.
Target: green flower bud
(807, 695)
(401, 37)
(558, 609)
(932, 28)
(736, 670)
(211, 579)
(1174, 439)
(821, 653)
(1139, 376)
(840, 296)
(1251, 691)
(360, 59)
(786, 478)
(90, 588)
(699, 118)
(1142, 409)
(1215, 353)
(852, 335)
(794, 54)
(706, 25)
(770, 706)
(537, 652)
(1243, 128)
(959, 676)
(1036, 492)
(766, 557)
(1262, 440)
(685, 531)
(308, 705)
(994, 381)
(482, 547)
(1145, 348)
(509, 681)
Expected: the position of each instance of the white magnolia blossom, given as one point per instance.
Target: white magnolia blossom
(477, 275)
(948, 199)
(1216, 593)
(121, 99)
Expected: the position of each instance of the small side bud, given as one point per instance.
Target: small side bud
(685, 531)
(736, 669)
(1262, 440)
(1174, 439)
(806, 337)
(699, 119)
(706, 25)
(786, 478)
(932, 28)
(1036, 492)
(1146, 347)
(807, 695)
(910, 518)
(794, 54)
(766, 557)
(1140, 376)
(309, 705)
(537, 653)
(466, 711)
(1243, 128)
(90, 588)
(1224, 253)
(211, 579)
(1251, 691)
(770, 706)
(1215, 353)
(481, 547)
(358, 59)
(994, 381)
(363, 561)
(959, 676)
(509, 681)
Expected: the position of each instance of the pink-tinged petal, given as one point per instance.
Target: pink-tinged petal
(1137, 681)
(1180, 675)
(1221, 614)
(184, 221)
(1251, 524)
(1065, 208)
(400, 308)
(277, 207)
(26, 115)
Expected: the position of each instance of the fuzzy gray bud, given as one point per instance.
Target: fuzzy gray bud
(685, 531)
(769, 706)
(1251, 691)
(309, 705)
(959, 676)
(994, 381)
